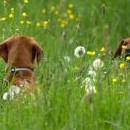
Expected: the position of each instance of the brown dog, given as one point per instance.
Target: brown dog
(123, 48)
(20, 53)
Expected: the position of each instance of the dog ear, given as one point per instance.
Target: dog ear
(119, 49)
(37, 53)
(4, 51)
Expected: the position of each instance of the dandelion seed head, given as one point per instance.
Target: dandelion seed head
(5, 96)
(87, 81)
(92, 73)
(91, 89)
(97, 64)
(79, 51)
(67, 59)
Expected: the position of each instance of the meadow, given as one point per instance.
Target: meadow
(80, 89)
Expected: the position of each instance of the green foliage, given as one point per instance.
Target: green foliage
(61, 26)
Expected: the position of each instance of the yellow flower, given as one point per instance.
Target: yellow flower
(38, 24)
(2, 19)
(11, 16)
(69, 11)
(45, 24)
(91, 53)
(124, 47)
(22, 22)
(25, 1)
(128, 58)
(122, 65)
(53, 8)
(12, 10)
(59, 20)
(63, 24)
(44, 11)
(29, 22)
(71, 16)
(56, 12)
(75, 69)
(114, 80)
(102, 49)
(71, 5)
(24, 14)
(123, 80)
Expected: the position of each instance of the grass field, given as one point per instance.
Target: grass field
(74, 95)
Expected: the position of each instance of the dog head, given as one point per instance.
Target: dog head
(123, 48)
(21, 51)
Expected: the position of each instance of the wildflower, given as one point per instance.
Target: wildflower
(22, 22)
(29, 22)
(69, 11)
(122, 65)
(63, 23)
(71, 6)
(17, 30)
(5, 2)
(76, 69)
(11, 92)
(90, 89)
(102, 49)
(44, 11)
(25, 1)
(5, 96)
(53, 8)
(87, 81)
(59, 19)
(79, 51)
(67, 59)
(45, 24)
(38, 24)
(123, 80)
(91, 53)
(12, 10)
(97, 64)
(56, 12)
(114, 80)
(128, 58)
(11, 16)
(2, 19)
(71, 16)
(92, 73)
(24, 14)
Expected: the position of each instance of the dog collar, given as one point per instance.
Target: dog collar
(15, 69)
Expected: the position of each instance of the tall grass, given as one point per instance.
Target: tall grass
(63, 103)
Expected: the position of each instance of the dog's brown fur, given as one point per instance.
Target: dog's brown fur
(120, 50)
(21, 51)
